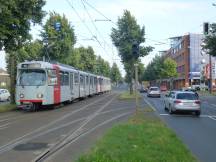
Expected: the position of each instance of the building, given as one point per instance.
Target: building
(4, 79)
(187, 52)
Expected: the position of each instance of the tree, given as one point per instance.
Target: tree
(154, 69)
(169, 68)
(141, 70)
(102, 67)
(29, 51)
(210, 41)
(59, 43)
(88, 59)
(160, 68)
(128, 33)
(115, 74)
(16, 17)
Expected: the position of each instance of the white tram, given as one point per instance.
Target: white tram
(43, 83)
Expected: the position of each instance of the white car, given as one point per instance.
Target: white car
(154, 92)
(182, 101)
(4, 95)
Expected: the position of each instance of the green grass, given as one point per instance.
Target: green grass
(127, 96)
(206, 93)
(144, 138)
(7, 107)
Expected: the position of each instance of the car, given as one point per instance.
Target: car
(143, 90)
(192, 90)
(4, 95)
(163, 88)
(153, 92)
(182, 101)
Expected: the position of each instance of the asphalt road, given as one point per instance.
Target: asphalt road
(61, 134)
(198, 133)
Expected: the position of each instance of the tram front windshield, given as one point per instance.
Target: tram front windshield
(32, 77)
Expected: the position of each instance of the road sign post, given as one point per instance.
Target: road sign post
(136, 86)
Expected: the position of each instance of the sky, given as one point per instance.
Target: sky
(162, 19)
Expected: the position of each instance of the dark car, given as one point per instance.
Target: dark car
(143, 90)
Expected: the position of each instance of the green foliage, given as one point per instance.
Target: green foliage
(143, 139)
(127, 96)
(28, 51)
(88, 59)
(160, 68)
(169, 68)
(115, 74)
(210, 41)
(59, 43)
(123, 37)
(16, 17)
(141, 70)
(7, 107)
(154, 69)
(102, 67)
(85, 59)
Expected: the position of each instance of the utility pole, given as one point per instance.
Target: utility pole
(206, 32)
(136, 86)
(210, 75)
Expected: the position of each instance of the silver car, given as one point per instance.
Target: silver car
(154, 92)
(182, 101)
(4, 95)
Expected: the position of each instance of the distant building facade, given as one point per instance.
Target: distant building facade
(4, 78)
(187, 52)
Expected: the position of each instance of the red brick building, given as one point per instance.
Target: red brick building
(187, 52)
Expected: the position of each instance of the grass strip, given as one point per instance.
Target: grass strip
(7, 107)
(144, 138)
(206, 93)
(127, 96)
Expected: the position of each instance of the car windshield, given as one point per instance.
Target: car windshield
(154, 89)
(32, 77)
(187, 96)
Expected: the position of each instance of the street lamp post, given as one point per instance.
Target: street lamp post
(136, 86)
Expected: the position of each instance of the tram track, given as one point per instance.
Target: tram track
(42, 129)
(62, 145)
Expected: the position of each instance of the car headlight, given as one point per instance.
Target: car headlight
(21, 95)
(39, 95)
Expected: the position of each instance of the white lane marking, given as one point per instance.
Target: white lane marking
(164, 114)
(213, 105)
(4, 125)
(3, 128)
(6, 116)
(149, 104)
(213, 118)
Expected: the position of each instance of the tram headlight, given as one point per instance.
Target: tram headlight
(39, 95)
(21, 95)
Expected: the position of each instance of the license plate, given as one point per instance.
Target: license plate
(26, 102)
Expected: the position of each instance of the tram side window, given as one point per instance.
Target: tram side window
(52, 77)
(81, 80)
(76, 78)
(71, 80)
(87, 80)
(62, 77)
(91, 81)
(66, 78)
(95, 81)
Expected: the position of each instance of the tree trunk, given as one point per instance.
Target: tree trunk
(131, 88)
(12, 77)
